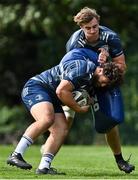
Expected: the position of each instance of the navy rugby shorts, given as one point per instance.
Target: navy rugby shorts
(108, 109)
(34, 92)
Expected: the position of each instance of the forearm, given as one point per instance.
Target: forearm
(64, 93)
(122, 67)
(120, 61)
(67, 99)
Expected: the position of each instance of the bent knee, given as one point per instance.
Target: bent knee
(49, 120)
(46, 122)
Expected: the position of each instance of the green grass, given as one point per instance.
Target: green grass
(78, 162)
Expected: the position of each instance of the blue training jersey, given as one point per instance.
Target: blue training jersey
(77, 66)
(108, 39)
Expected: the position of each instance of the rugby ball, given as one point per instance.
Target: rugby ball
(82, 97)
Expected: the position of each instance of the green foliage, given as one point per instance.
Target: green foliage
(13, 123)
(130, 95)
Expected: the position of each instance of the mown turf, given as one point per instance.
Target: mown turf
(78, 162)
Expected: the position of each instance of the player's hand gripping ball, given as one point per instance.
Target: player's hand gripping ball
(82, 97)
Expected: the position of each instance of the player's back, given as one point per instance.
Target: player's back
(77, 63)
(81, 54)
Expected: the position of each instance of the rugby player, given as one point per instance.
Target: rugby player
(44, 95)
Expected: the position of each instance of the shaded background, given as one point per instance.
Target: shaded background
(33, 35)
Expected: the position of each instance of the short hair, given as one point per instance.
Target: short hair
(114, 74)
(85, 15)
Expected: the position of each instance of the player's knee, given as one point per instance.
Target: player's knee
(46, 122)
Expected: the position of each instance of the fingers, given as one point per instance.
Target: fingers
(103, 55)
(104, 51)
(84, 109)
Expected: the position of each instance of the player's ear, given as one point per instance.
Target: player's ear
(99, 70)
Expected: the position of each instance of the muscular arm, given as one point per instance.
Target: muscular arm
(120, 61)
(64, 93)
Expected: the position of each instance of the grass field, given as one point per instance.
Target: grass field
(78, 162)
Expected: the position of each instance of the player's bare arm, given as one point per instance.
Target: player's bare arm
(120, 61)
(64, 93)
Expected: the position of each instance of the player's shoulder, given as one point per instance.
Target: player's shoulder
(78, 32)
(74, 39)
(77, 35)
(107, 30)
(82, 54)
(107, 33)
(80, 58)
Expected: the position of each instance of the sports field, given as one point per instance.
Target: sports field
(78, 162)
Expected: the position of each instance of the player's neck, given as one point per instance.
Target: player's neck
(92, 39)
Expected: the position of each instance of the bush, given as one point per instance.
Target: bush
(13, 123)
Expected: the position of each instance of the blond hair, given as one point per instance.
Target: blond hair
(85, 15)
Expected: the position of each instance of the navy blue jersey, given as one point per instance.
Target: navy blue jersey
(77, 66)
(108, 39)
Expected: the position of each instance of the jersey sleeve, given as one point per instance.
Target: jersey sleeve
(73, 41)
(115, 47)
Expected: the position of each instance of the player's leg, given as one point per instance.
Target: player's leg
(111, 104)
(43, 113)
(69, 114)
(113, 140)
(38, 102)
(58, 132)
